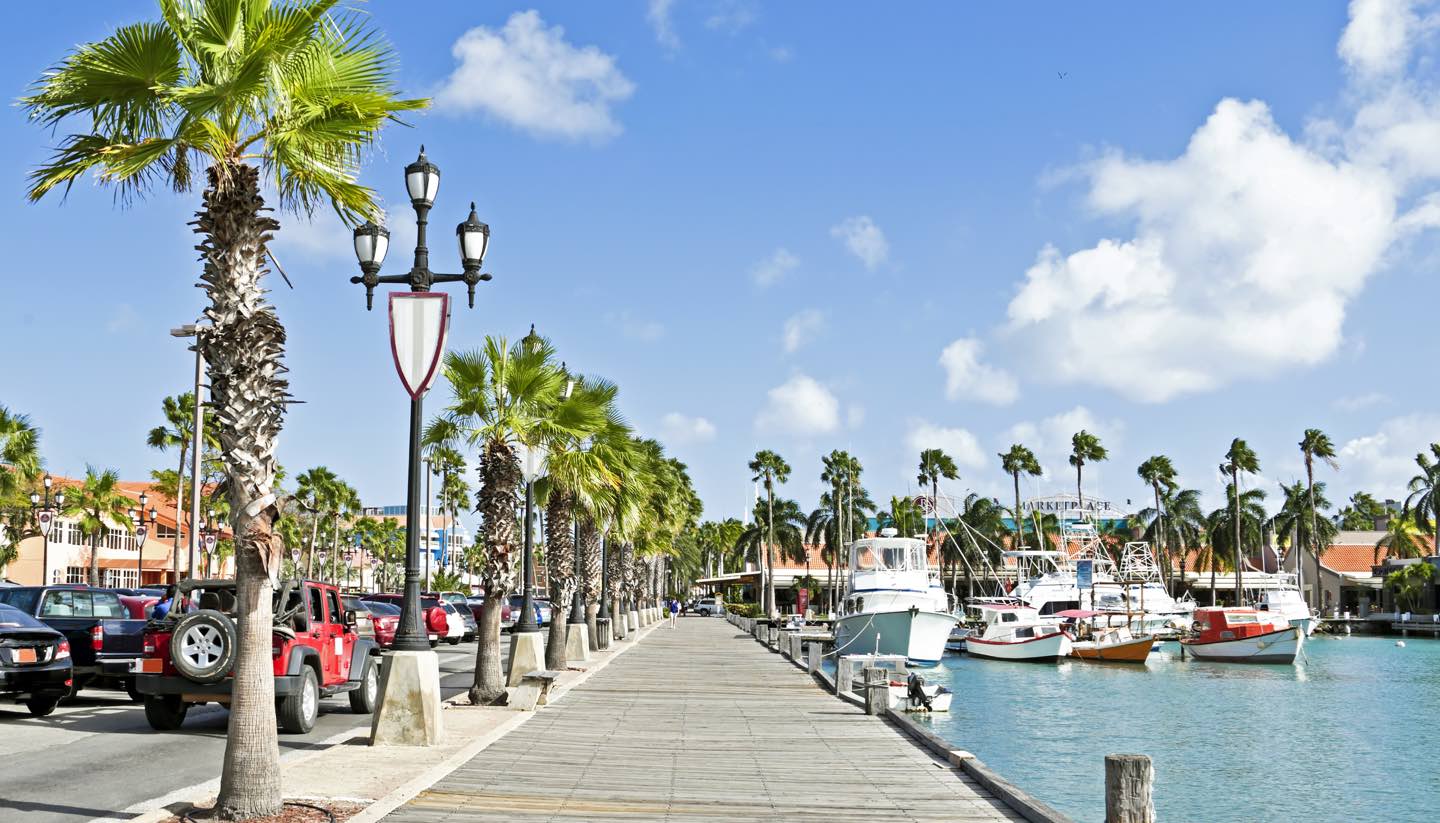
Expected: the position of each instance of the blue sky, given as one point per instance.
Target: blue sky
(807, 226)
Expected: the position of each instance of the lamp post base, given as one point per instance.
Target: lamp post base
(577, 643)
(409, 710)
(634, 621)
(527, 654)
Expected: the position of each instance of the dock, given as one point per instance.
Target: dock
(694, 725)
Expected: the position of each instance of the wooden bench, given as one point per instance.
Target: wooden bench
(534, 690)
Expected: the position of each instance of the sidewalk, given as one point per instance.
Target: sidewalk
(693, 726)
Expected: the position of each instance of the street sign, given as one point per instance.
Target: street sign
(210, 542)
(1084, 574)
(418, 322)
(140, 534)
(802, 601)
(294, 555)
(46, 519)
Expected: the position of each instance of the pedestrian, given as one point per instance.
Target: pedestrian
(674, 610)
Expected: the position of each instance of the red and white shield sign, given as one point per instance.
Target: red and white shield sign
(46, 519)
(418, 322)
(209, 542)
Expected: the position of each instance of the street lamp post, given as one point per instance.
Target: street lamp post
(422, 181)
(142, 530)
(45, 518)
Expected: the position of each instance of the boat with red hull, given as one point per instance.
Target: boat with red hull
(1243, 635)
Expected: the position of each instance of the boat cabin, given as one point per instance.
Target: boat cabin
(1230, 624)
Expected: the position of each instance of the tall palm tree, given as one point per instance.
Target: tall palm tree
(97, 504)
(503, 396)
(984, 520)
(769, 468)
(314, 491)
(778, 522)
(296, 91)
(1158, 472)
(19, 473)
(1296, 525)
(1239, 458)
(1423, 504)
(935, 464)
(1315, 443)
(1401, 540)
(1240, 522)
(903, 516)
(1183, 527)
(1019, 460)
(1084, 448)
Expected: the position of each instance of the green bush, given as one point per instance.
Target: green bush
(744, 609)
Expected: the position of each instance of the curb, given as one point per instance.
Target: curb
(387, 803)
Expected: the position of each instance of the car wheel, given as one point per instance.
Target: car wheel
(165, 712)
(135, 696)
(41, 706)
(203, 646)
(300, 708)
(434, 643)
(363, 699)
(454, 641)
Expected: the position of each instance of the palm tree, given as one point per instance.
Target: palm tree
(1240, 522)
(503, 394)
(1401, 540)
(935, 464)
(983, 519)
(1239, 458)
(298, 92)
(1183, 526)
(1296, 525)
(1423, 504)
(97, 503)
(314, 492)
(1084, 448)
(1158, 472)
(770, 468)
(1313, 444)
(903, 516)
(779, 522)
(19, 473)
(1016, 461)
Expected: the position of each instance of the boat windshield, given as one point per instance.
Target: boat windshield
(870, 557)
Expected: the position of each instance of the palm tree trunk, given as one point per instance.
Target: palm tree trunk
(1019, 523)
(95, 554)
(1239, 574)
(1079, 489)
(1314, 538)
(1160, 540)
(560, 566)
(769, 550)
(244, 348)
(500, 477)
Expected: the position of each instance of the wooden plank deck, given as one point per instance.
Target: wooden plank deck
(700, 723)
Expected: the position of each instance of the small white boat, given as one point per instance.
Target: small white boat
(1016, 633)
(895, 603)
(1242, 635)
(1286, 602)
(918, 696)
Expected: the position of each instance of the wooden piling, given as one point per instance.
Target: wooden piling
(877, 690)
(1129, 783)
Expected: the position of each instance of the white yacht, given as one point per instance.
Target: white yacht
(1016, 633)
(1284, 600)
(894, 603)
(1145, 593)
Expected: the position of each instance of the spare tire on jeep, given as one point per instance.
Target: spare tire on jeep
(202, 646)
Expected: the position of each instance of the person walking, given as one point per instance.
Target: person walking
(674, 610)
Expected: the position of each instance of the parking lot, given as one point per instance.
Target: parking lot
(96, 757)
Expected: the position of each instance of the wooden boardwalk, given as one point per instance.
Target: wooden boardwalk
(696, 725)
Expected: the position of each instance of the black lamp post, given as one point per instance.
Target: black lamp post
(142, 531)
(532, 463)
(50, 508)
(422, 181)
(605, 581)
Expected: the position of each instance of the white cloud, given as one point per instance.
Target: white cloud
(1383, 462)
(658, 14)
(966, 377)
(123, 318)
(863, 239)
(1247, 248)
(732, 17)
(959, 443)
(647, 331)
(526, 74)
(801, 328)
(1050, 438)
(680, 429)
(1356, 402)
(774, 268)
(800, 406)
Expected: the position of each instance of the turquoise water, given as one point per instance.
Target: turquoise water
(1350, 736)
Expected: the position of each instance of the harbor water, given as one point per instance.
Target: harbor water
(1347, 736)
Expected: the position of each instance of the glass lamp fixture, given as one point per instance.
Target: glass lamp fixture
(422, 181)
(473, 237)
(371, 244)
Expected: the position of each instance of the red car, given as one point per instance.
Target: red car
(386, 617)
(436, 624)
(316, 651)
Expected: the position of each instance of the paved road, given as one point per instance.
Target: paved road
(98, 757)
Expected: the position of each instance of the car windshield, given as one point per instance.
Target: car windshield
(13, 618)
(22, 599)
(377, 607)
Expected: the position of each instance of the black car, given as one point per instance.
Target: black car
(35, 663)
(103, 638)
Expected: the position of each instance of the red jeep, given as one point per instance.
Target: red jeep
(190, 654)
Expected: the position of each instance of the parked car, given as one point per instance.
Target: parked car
(507, 615)
(542, 609)
(139, 606)
(364, 624)
(35, 663)
(104, 639)
(386, 618)
(709, 607)
(317, 653)
(462, 605)
(437, 623)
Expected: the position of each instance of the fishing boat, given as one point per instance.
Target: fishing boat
(1105, 637)
(895, 603)
(1285, 601)
(915, 695)
(1016, 633)
(1242, 635)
